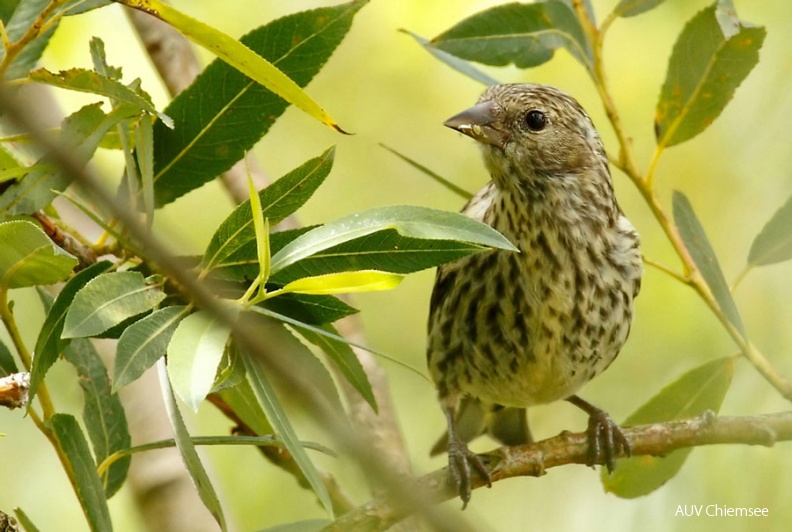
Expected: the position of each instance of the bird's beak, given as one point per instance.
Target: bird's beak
(478, 123)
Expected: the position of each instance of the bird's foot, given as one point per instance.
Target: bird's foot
(460, 460)
(606, 438)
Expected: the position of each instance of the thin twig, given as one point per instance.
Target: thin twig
(535, 459)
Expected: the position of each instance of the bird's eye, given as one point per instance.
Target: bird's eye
(535, 120)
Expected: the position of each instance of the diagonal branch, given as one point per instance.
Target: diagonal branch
(572, 448)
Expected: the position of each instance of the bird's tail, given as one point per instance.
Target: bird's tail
(506, 424)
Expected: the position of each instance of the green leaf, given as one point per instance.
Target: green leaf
(188, 453)
(454, 234)
(280, 422)
(237, 55)
(143, 343)
(144, 154)
(440, 179)
(83, 80)
(69, 438)
(25, 521)
(261, 229)
(22, 17)
(327, 332)
(81, 134)
(242, 399)
(311, 525)
(7, 364)
(712, 56)
(28, 257)
(703, 255)
(314, 310)
(454, 62)
(774, 242)
(194, 353)
(223, 113)
(695, 392)
(103, 413)
(75, 7)
(234, 243)
(108, 300)
(49, 344)
(630, 8)
(345, 283)
(524, 34)
(345, 359)
(296, 359)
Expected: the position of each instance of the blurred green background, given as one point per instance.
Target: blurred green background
(383, 87)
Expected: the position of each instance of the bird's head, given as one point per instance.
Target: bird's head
(531, 132)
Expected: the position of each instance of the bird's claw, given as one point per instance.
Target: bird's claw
(606, 440)
(460, 458)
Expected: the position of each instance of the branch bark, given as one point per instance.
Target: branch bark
(572, 448)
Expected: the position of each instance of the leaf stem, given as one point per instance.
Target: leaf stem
(663, 268)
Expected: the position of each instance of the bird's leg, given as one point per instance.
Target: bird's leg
(460, 458)
(604, 435)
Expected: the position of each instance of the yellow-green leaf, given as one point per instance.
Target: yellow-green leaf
(345, 282)
(237, 55)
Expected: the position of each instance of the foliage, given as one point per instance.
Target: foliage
(287, 281)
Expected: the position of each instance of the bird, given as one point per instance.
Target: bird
(508, 330)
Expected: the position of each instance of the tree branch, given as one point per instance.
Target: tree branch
(535, 459)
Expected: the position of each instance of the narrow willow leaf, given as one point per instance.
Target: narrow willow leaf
(280, 422)
(25, 521)
(70, 439)
(103, 413)
(243, 400)
(383, 250)
(409, 221)
(695, 392)
(345, 283)
(194, 353)
(7, 364)
(237, 55)
(49, 344)
(295, 359)
(262, 232)
(108, 300)
(630, 8)
(143, 343)
(144, 153)
(459, 191)
(314, 310)
(234, 242)
(714, 53)
(187, 450)
(81, 134)
(302, 326)
(22, 17)
(28, 257)
(524, 34)
(75, 7)
(774, 242)
(311, 525)
(701, 251)
(454, 62)
(83, 80)
(223, 113)
(345, 359)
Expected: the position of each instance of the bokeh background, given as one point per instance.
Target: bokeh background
(383, 87)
